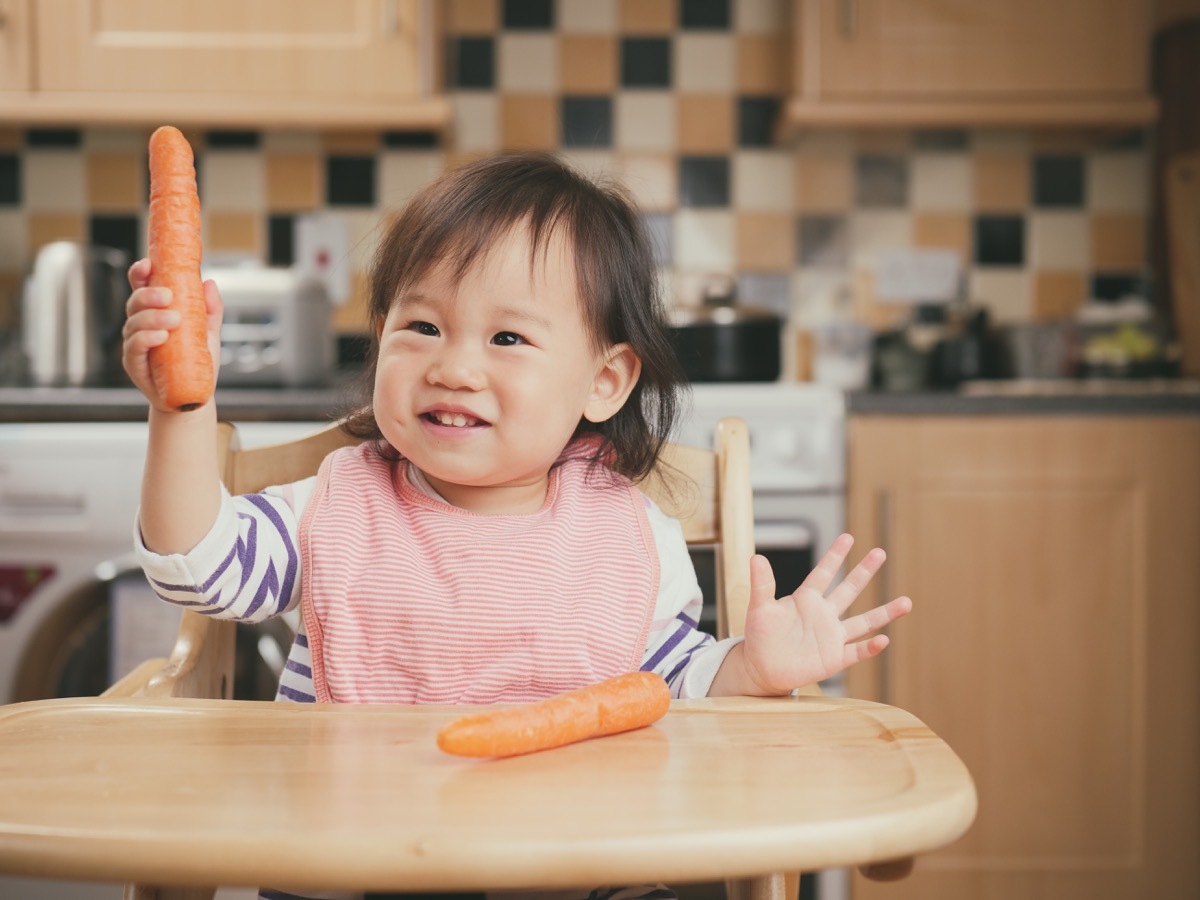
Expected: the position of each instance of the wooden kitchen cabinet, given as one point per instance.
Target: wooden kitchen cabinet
(1054, 565)
(308, 63)
(966, 62)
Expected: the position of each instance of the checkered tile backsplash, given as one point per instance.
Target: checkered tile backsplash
(677, 99)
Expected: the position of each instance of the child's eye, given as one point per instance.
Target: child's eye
(508, 339)
(425, 328)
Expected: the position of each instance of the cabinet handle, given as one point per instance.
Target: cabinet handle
(849, 18)
(884, 516)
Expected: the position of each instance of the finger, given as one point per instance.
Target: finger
(860, 576)
(212, 300)
(821, 577)
(139, 274)
(857, 652)
(762, 581)
(873, 619)
(149, 319)
(147, 298)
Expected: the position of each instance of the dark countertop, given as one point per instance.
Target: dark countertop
(1177, 397)
(51, 404)
(1066, 397)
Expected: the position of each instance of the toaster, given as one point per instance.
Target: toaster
(276, 330)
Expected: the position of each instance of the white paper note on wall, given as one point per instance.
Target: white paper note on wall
(323, 249)
(922, 276)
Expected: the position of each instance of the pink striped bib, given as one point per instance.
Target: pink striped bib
(409, 600)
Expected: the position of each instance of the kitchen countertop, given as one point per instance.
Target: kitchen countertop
(1099, 397)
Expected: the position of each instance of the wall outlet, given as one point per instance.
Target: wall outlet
(322, 249)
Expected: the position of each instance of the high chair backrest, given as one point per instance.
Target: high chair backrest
(707, 490)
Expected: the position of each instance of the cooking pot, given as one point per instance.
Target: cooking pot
(72, 312)
(722, 340)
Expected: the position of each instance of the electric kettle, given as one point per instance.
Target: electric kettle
(72, 312)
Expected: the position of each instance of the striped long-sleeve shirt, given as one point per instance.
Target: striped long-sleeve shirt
(247, 568)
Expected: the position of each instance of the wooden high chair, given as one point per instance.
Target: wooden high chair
(708, 491)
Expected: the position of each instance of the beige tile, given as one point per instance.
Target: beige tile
(868, 308)
(239, 232)
(476, 124)
(45, 227)
(1058, 295)
(233, 181)
(293, 182)
(116, 182)
(1007, 294)
(762, 64)
(763, 180)
(647, 17)
(651, 179)
(597, 164)
(527, 63)
(765, 241)
(645, 120)
(588, 64)
(704, 240)
(761, 16)
(1118, 182)
(704, 63)
(706, 123)
(351, 317)
(1118, 241)
(1058, 241)
(1001, 183)
(943, 231)
(54, 181)
(875, 231)
(472, 16)
(824, 183)
(940, 181)
(403, 174)
(529, 122)
(588, 17)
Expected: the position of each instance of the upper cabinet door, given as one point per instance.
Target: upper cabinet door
(231, 62)
(932, 48)
(230, 46)
(970, 62)
(15, 73)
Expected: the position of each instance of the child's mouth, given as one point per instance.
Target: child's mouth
(453, 420)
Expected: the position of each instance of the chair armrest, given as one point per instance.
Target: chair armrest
(134, 684)
(201, 663)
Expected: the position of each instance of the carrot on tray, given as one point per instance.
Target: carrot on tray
(182, 367)
(629, 701)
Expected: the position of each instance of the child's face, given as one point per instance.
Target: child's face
(481, 384)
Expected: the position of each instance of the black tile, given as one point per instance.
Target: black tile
(881, 181)
(645, 62)
(10, 179)
(704, 14)
(54, 137)
(534, 14)
(1000, 240)
(940, 139)
(350, 181)
(233, 140)
(280, 240)
(822, 241)
(1058, 181)
(353, 350)
(473, 62)
(704, 180)
(411, 140)
(1114, 286)
(587, 122)
(121, 232)
(756, 118)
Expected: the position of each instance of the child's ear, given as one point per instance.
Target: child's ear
(614, 380)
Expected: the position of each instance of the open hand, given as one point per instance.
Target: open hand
(802, 638)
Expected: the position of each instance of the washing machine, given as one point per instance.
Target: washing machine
(75, 611)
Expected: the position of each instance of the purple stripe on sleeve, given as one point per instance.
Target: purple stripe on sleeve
(299, 668)
(289, 576)
(295, 695)
(667, 646)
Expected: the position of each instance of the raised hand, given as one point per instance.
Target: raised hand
(802, 638)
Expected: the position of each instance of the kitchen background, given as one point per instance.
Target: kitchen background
(680, 102)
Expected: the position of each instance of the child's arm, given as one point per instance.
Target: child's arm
(180, 485)
(802, 638)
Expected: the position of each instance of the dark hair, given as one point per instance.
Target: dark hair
(461, 215)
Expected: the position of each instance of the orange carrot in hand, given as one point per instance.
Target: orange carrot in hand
(182, 367)
(629, 701)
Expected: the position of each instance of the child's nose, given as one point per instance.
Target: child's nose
(457, 367)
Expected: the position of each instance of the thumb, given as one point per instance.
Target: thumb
(762, 581)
